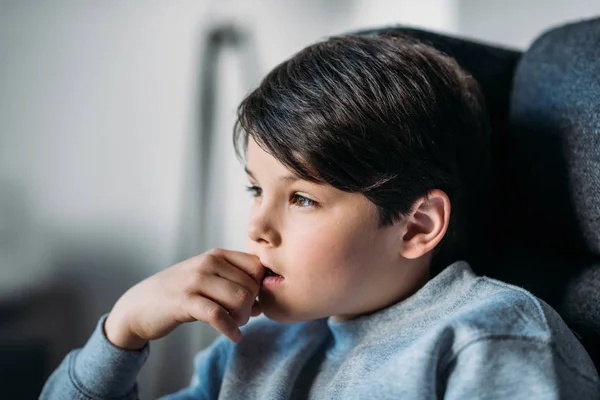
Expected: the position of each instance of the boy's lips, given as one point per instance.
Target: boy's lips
(271, 280)
(270, 271)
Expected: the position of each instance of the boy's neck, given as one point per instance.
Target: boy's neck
(417, 276)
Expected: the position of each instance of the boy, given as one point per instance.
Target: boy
(363, 153)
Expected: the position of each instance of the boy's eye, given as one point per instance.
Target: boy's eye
(302, 201)
(297, 199)
(254, 190)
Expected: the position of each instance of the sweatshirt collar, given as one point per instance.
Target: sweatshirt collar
(428, 303)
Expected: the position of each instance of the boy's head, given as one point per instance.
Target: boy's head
(383, 140)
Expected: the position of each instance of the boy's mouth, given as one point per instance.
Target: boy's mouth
(271, 280)
(269, 272)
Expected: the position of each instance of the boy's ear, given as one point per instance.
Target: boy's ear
(426, 225)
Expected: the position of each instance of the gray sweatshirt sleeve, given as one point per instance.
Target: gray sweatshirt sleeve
(516, 368)
(97, 371)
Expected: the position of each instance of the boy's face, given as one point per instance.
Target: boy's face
(326, 244)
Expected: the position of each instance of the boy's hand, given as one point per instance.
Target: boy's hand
(218, 287)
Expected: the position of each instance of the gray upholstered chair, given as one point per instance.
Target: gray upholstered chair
(539, 225)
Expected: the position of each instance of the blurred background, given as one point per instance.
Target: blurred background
(115, 147)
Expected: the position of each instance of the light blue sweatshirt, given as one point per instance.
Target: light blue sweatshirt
(459, 337)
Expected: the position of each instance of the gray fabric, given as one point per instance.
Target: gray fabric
(459, 337)
(580, 307)
(556, 102)
(555, 116)
(97, 371)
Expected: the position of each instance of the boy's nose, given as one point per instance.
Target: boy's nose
(261, 231)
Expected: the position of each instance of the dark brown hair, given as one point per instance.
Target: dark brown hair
(383, 115)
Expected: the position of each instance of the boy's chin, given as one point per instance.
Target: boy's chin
(280, 317)
(277, 313)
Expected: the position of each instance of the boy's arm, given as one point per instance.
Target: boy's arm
(189, 291)
(517, 368)
(99, 370)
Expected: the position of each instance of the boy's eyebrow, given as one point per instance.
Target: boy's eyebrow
(289, 178)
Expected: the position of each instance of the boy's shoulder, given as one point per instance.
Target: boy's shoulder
(494, 308)
(493, 311)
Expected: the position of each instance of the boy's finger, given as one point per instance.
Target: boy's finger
(203, 309)
(242, 319)
(228, 294)
(256, 310)
(231, 273)
(247, 262)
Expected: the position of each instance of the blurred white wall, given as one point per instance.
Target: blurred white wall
(99, 117)
(516, 23)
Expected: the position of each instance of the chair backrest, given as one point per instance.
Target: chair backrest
(555, 120)
(539, 225)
